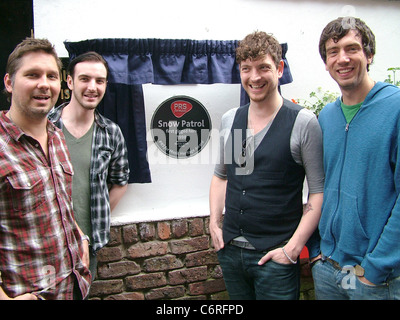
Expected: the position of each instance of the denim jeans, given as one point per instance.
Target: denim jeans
(246, 280)
(331, 283)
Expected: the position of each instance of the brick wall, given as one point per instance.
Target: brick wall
(162, 260)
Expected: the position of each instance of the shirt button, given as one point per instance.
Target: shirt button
(244, 192)
(241, 212)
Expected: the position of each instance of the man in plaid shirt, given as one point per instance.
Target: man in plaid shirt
(97, 147)
(42, 254)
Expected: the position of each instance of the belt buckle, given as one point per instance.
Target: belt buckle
(359, 271)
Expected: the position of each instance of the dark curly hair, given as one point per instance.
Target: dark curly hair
(340, 27)
(258, 44)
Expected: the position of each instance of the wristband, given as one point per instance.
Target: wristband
(287, 256)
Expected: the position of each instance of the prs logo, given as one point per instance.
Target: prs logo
(180, 108)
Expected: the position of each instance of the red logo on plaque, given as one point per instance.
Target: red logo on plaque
(180, 108)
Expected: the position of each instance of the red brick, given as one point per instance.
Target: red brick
(147, 231)
(189, 245)
(196, 227)
(164, 230)
(145, 281)
(104, 287)
(127, 296)
(207, 225)
(202, 297)
(147, 249)
(207, 287)
(118, 269)
(223, 295)
(130, 234)
(198, 274)
(115, 236)
(166, 293)
(201, 258)
(109, 254)
(187, 275)
(162, 264)
(179, 228)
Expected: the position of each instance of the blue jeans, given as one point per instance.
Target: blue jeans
(246, 280)
(331, 283)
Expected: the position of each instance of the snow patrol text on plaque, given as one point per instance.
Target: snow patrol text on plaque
(181, 127)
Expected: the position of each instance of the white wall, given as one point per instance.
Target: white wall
(179, 188)
(299, 23)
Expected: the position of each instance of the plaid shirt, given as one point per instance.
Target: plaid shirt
(40, 246)
(109, 166)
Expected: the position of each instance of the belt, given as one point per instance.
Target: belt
(358, 270)
(335, 264)
(242, 244)
(249, 246)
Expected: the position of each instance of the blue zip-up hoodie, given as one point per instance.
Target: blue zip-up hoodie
(360, 221)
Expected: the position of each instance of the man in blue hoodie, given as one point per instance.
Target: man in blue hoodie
(358, 256)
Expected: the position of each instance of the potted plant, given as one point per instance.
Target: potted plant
(390, 80)
(318, 100)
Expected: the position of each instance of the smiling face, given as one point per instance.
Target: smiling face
(260, 77)
(88, 84)
(347, 62)
(35, 86)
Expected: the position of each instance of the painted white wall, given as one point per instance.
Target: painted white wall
(181, 189)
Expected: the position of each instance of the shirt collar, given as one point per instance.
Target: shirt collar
(15, 132)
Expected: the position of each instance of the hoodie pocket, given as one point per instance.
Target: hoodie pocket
(347, 227)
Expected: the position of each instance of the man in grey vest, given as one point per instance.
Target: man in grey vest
(267, 148)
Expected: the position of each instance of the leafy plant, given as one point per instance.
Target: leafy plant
(390, 80)
(318, 100)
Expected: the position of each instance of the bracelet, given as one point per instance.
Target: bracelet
(85, 237)
(287, 256)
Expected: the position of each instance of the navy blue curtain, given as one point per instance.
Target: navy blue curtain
(134, 62)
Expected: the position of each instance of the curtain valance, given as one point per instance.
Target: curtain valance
(169, 61)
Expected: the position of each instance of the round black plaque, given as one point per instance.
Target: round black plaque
(181, 127)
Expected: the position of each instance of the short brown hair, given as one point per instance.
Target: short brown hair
(258, 44)
(87, 56)
(26, 46)
(340, 27)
